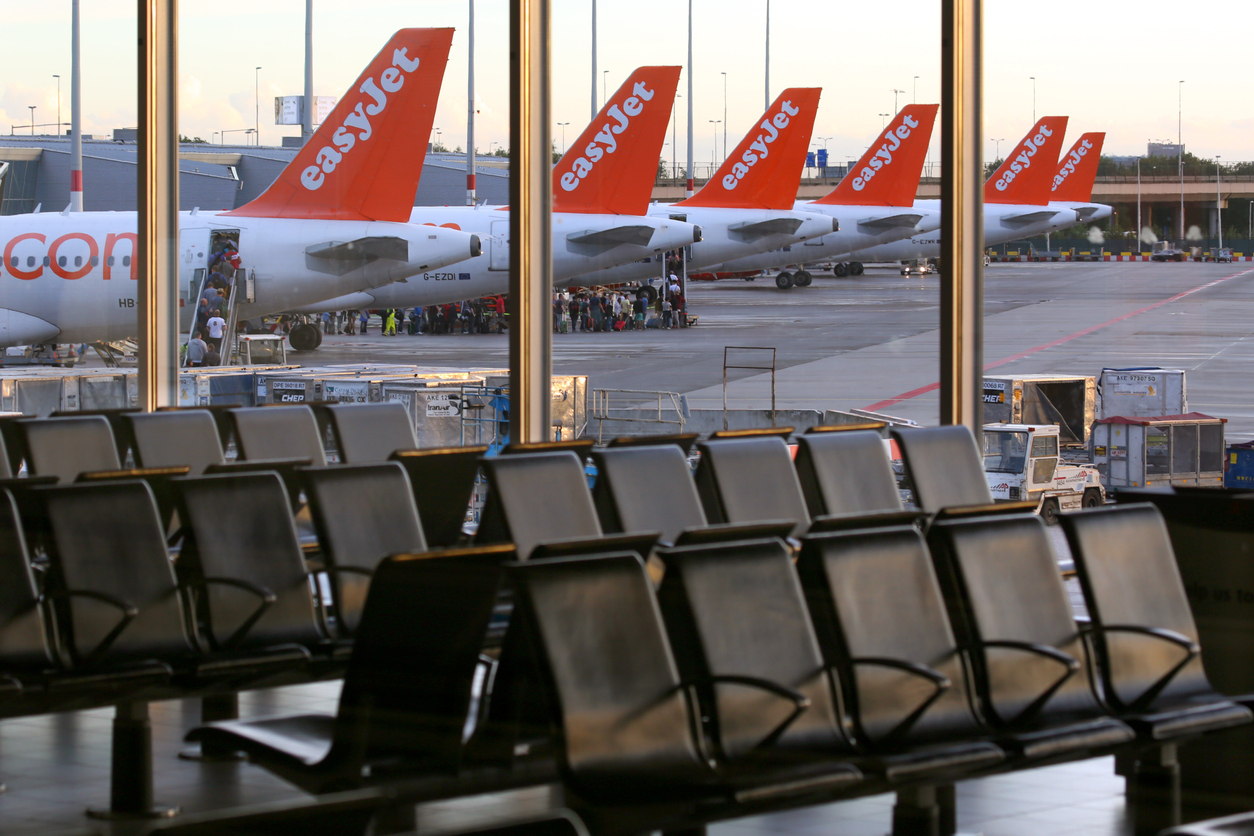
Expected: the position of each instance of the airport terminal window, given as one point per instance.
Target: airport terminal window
(1004, 452)
(1157, 450)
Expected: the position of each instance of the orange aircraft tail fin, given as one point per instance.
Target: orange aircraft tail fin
(888, 173)
(363, 163)
(1078, 169)
(1028, 170)
(613, 165)
(765, 169)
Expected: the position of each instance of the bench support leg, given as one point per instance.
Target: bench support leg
(1154, 790)
(925, 811)
(130, 793)
(213, 709)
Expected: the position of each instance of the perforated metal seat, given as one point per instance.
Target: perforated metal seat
(66, 447)
(408, 686)
(626, 716)
(362, 514)
(277, 432)
(242, 556)
(183, 437)
(750, 479)
(442, 480)
(646, 488)
(846, 472)
(1143, 630)
(370, 432)
(945, 466)
(534, 498)
(1008, 605)
(710, 595)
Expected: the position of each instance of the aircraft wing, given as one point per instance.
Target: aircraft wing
(775, 226)
(339, 257)
(1028, 217)
(604, 239)
(904, 219)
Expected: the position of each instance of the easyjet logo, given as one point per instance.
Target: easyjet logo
(70, 256)
(356, 125)
(583, 165)
(771, 127)
(1023, 160)
(884, 154)
(1068, 168)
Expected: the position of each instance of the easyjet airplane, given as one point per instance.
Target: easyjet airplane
(874, 204)
(601, 189)
(747, 206)
(1016, 199)
(1072, 187)
(336, 220)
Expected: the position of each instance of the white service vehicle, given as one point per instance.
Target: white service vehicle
(1024, 462)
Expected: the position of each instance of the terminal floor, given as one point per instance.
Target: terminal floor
(57, 766)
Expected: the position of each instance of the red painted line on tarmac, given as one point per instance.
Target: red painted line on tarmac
(932, 387)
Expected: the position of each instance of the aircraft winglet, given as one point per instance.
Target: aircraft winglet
(1028, 170)
(364, 162)
(765, 169)
(1077, 171)
(888, 173)
(613, 165)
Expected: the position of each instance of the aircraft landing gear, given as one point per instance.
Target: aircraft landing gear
(840, 269)
(305, 337)
(802, 278)
(855, 268)
(784, 280)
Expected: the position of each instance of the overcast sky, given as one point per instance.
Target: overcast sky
(1109, 66)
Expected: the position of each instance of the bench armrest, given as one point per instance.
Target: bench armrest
(1069, 663)
(267, 599)
(799, 700)
(128, 613)
(940, 684)
(1191, 650)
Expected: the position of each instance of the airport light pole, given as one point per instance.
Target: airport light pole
(689, 190)
(58, 78)
(914, 96)
(257, 105)
(674, 135)
(1138, 206)
(594, 62)
(1180, 148)
(563, 125)
(997, 148)
(1219, 211)
(715, 123)
(470, 102)
(1033, 80)
(895, 92)
(883, 121)
(32, 119)
(605, 74)
(767, 102)
(76, 111)
(724, 75)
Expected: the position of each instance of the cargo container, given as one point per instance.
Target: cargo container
(1069, 401)
(1136, 452)
(1141, 392)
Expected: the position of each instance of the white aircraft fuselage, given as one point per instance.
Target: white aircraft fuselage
(582, 244)
(71, 277)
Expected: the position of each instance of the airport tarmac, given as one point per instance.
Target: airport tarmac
(871, 341)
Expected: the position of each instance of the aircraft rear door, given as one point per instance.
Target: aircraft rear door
(193, 268)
